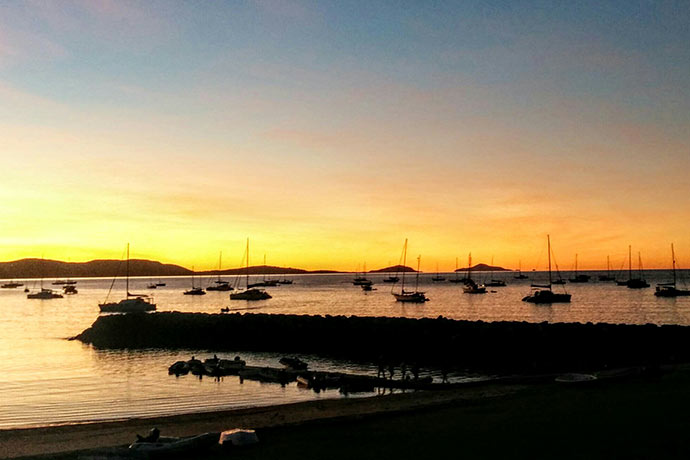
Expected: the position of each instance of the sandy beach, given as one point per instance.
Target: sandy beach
(640, 417)
(56, 439)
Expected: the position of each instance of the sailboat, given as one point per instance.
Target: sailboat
(542, 293)
(470, 286)
(520, 275)
(249, 293)
(607, 276)
(438, 276)
(195, 290)
(579, 278)
(132, 303)
(44, 294)
(634, 283)
(457, 278)
(220, 284)
(11, 285)
(409, 296)
(670, 289)
(492, 282)
(361, 280)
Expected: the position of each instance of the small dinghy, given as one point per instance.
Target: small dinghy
(575, 378)
(157, 446)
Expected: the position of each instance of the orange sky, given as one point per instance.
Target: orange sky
(328, 139)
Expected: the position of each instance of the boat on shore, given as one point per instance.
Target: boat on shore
(415, 296)
(670, 289)
(543, 293)
(132, 303)
(250, 294)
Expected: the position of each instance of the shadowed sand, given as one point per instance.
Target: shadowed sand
(37, 441)
(640, 417)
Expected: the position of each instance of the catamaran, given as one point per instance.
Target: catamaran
(670, 289)
(542, 293)
(409, 296)
(250, 293)
(132, 303)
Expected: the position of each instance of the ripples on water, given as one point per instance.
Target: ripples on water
(45, 379)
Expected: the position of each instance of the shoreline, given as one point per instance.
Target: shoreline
(63, 439)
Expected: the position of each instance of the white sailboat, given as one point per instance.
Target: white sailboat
(132, 303)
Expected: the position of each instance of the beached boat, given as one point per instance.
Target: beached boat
(542, 293)
(132, 303)
(250, 293)
(471, 287)
(163, 447)
(670, 289)
(415, 296)
(579, 278)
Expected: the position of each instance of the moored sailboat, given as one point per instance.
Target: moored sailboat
(409, 296)
(634, 283)
(670, 289)
(132, 303)
(520, 275)
(607, 276)
(220, 284)
(471, 287)
(542, 293)
(250, 293)
(579, 278)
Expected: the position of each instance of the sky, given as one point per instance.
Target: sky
(328, 132)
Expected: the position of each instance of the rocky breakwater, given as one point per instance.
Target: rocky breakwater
(493, 347)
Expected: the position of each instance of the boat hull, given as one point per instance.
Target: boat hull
(414, 297)
(137, 305)
(251, 294)
(546, 297)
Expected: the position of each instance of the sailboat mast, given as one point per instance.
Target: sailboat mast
(548, 244)
(629, 262)
(247, 263)
(402, 291)
(127, 272)
(608, 266)
(469, 265)
(673, 257)
(576, 265)
(220, 263)
(416, 283)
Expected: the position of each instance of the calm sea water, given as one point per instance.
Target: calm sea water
(45, 379)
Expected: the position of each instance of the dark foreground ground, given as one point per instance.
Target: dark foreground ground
(639, 418)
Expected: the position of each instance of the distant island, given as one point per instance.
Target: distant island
(108, 268)
(485, 268)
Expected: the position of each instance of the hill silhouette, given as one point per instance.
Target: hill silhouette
(107, 268)
(485, 268)
(393, 269)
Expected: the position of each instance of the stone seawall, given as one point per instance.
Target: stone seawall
(497, 346)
